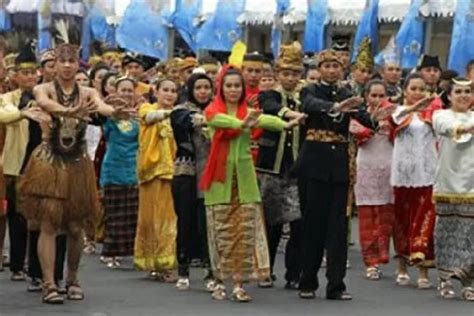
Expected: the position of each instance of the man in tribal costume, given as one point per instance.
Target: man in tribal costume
(58, 188)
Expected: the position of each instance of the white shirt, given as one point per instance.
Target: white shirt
(414, 154)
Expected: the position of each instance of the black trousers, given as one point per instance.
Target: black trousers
(34, 266)
(191, 214)
(293, 248)
(324, 228)
(17, 228)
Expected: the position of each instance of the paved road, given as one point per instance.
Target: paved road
(127, 292)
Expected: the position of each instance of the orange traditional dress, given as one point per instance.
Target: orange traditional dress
(155, 242)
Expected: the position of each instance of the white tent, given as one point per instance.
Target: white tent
(256, 12)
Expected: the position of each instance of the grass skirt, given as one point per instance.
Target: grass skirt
(59, 191)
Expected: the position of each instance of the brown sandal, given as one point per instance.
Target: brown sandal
(239, 295)
(52, 296)
(219, 293)
(468, 294)
(74, 292)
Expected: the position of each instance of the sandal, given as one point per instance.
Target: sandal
(446, 290)
(52, 296)
(182, 284)
(403, 279)
(113, 264)
(219, 292)
(468, 294)
(372, 273)
(74, 292)
(424, 284)
(210, 285)
(239, 295)
(89, 248)
(167, 277)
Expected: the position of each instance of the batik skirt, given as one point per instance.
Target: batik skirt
(454, 242)
(279, 198)
(375, 231)
(121, 211)
(238, 248)
(414, 225)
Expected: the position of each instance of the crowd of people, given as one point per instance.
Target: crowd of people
(199, 162)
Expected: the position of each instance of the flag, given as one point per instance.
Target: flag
(185, 20)
(314, 30)
(368, 27)
(410, 36)
(95, 27)
(143, 29)
(462, 38)
(277, 29)
(45, 39)
(5, 22)
(221, 30)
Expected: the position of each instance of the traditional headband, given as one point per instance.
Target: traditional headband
(26, 65)
(462, 82)
(67, 51)
(125, 78)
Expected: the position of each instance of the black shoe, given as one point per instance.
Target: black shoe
(266, 284)
(292, 285)
(307, 295)
(339, 296)
(35, 285)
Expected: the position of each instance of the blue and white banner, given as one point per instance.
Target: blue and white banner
(368, 27)
(277, 29)
(143, 29)
(315, 26)
(222, 30)
(462, 39)
(185, 20)
(410, 37)
(45, 40)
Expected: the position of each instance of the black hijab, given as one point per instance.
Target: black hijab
(190, 88)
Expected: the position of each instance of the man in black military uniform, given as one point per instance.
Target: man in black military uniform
(324, 171)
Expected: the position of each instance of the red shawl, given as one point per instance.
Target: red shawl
(217, 161)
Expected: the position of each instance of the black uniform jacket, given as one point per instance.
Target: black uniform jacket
(323, 160)
(278, 150)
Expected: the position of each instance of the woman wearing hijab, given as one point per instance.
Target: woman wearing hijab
(192, 143)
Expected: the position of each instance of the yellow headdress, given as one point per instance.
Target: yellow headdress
(365, 58)
(291, 57)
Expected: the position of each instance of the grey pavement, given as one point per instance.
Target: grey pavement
(127, 292)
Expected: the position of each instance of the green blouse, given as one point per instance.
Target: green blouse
(239, 160)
